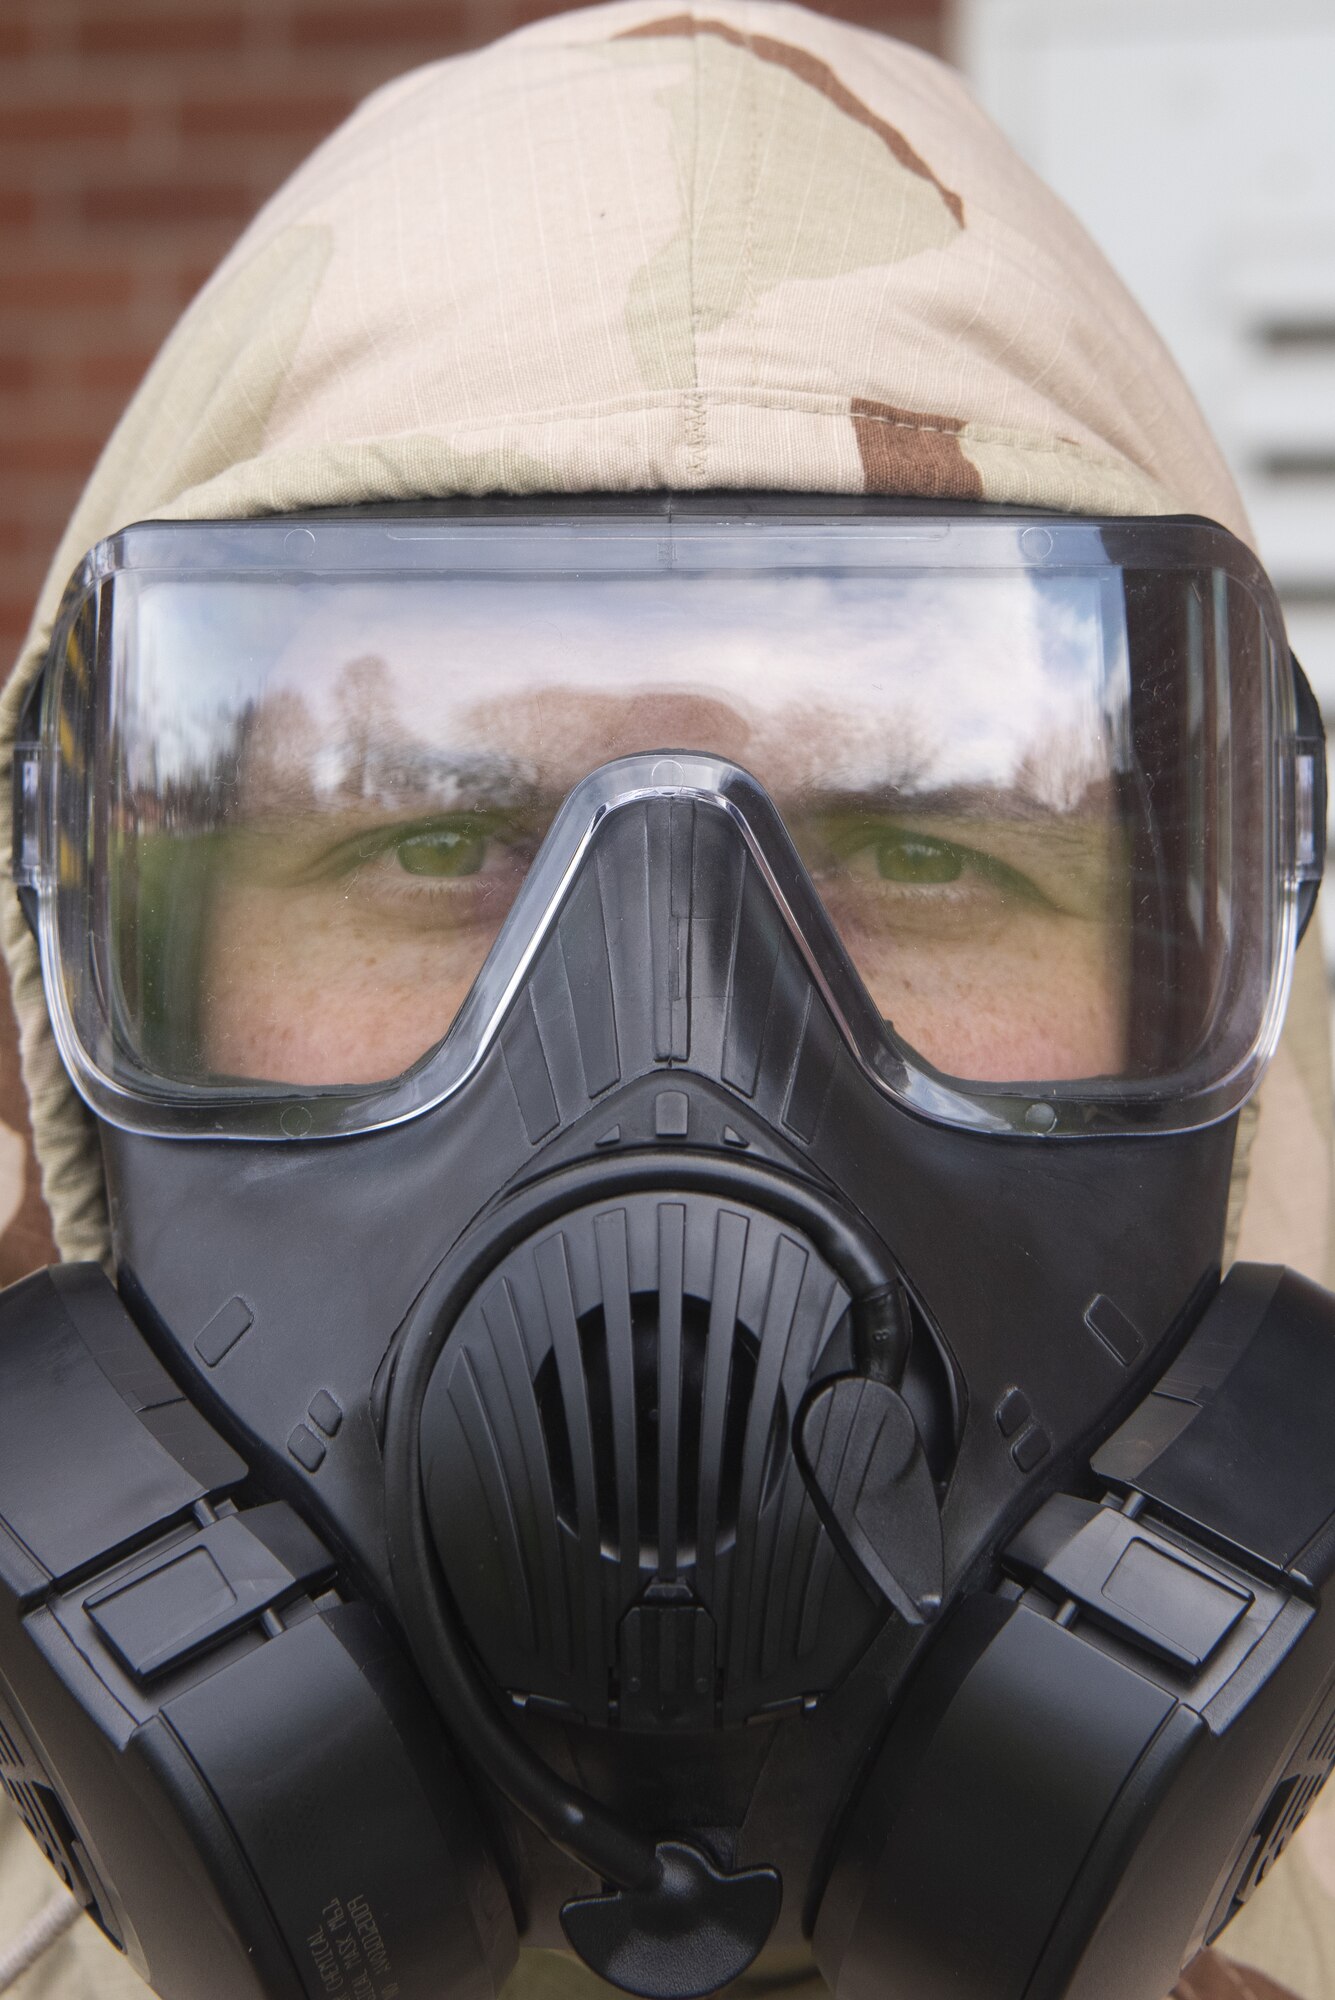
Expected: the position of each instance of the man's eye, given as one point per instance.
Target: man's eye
(443, 850)
(859, 847)
(917, 857)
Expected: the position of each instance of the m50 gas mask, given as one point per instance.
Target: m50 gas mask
(667, 1074)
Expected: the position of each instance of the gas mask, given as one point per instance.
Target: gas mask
(667, 1073)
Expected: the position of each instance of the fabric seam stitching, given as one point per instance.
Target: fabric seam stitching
(965, 432)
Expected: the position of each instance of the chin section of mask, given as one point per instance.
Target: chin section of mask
(1100, 1749)
(1107, 1752)
(220, 1751)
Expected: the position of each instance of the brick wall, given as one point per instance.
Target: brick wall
(136, 138)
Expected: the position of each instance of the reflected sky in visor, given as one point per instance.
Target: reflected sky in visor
(366, 771)
(978, 673)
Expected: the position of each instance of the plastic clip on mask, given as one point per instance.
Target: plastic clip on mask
(668, 1129)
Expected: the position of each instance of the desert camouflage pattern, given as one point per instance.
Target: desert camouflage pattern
(638, 247)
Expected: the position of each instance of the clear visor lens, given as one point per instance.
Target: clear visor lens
(1038, 802)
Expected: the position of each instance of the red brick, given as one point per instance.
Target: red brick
(13, 537)
(45, 507)
(113, 371)
(47, 455)
(180, 30)
(166, 203)
(18, 208)
(48, 122)
(440, 23)
(15, 40)
(65, 287)
(18, 372)
(501, 17)
(308, 118)
(15, 611)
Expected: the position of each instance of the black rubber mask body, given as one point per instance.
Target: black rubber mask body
(628, 1324)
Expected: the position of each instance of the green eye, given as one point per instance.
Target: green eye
(443, 850)
(916, 857)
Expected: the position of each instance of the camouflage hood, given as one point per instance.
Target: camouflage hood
(631, 248)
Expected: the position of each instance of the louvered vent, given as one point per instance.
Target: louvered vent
(41, 1811)
(609, 1474)
(660, 1523)
(1285, 1811)
(9, 1755)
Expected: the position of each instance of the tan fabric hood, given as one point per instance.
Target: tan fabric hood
(629, 248)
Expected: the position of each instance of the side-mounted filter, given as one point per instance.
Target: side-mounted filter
(1106, 1754)
(221, 1751)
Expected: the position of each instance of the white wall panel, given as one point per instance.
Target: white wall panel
(1196, 140)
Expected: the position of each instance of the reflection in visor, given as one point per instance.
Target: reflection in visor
(322, 824)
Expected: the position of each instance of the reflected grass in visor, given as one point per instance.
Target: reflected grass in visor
(1028, 799)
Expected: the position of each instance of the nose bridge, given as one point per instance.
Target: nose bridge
(671, 951)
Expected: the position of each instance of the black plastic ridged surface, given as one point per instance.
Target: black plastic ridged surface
(671, 888)
(608, 1472)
